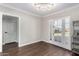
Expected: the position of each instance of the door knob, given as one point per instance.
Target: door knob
(6, 32)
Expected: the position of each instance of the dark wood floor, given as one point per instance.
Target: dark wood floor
(37, 49)
(9, 45)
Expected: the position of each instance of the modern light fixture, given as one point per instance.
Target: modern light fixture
(43, 6)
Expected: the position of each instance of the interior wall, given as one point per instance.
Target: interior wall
(0, 32)
(30, 26)
(73, 13)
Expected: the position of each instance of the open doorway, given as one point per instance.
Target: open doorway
(10, 32)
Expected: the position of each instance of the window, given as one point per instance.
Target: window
(60, 27)
(57, 27)
(67, 27)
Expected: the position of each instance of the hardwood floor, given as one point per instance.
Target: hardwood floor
(37, 49)
(9, 45)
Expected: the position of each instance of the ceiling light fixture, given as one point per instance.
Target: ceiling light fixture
(43, 6)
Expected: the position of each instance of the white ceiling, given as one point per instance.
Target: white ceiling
(28, 7)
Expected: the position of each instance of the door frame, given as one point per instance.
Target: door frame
(17, 29)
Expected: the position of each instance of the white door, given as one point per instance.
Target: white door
(58, 32)
(61, 32)
(67, 33)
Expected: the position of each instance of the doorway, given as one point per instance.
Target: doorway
(10, 32)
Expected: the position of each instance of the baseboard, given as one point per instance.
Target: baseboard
(56, 45)
(20, 45)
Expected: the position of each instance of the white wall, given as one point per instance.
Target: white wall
(0, 32)
(73, 13)
(30, 26)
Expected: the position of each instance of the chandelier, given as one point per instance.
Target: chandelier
(43, 6)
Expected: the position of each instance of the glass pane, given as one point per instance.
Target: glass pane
(67, 27)
(58, 28)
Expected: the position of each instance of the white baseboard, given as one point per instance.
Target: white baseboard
(64, 46)
(20, 45)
